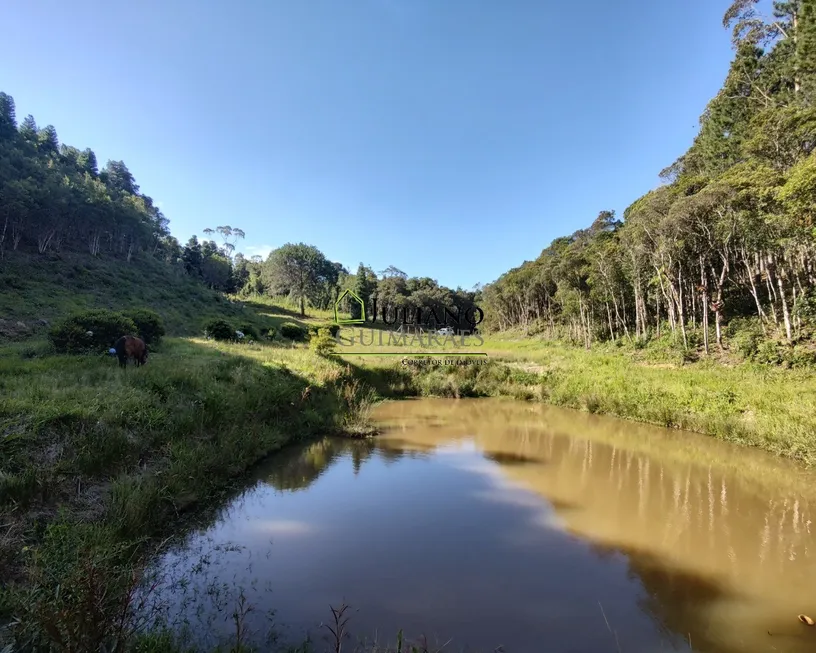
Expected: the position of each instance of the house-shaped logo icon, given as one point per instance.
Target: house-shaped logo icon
(352, 296)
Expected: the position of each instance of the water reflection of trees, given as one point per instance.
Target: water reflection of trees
(297, 467)
(700, 542)
(719, 538)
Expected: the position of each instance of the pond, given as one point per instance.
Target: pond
(493, 523)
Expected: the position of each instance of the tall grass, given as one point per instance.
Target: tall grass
(125, 453)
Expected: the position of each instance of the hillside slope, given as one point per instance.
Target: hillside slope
(36, 290)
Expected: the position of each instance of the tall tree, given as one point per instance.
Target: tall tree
(297, 269)
(87, 162)
(192, 256)
(805, 14)
(365, 283)
(8, 119)
(28, 129)
(117, 176)
(47, 140)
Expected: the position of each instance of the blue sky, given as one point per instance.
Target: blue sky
(450, 138)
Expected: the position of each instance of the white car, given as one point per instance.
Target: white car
(445, 331)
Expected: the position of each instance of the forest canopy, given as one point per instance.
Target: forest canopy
(729, 234)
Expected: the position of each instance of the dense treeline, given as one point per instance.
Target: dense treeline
(54, 198)
(303, 274)
(730, 233)
(397, 297)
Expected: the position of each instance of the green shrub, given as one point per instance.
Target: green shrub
(768, 352)
(801, 356)
(148, 324)
(315, 329)
(249, 331)
(806, 309)
(219, 329)
(271, 332)
(323, 343)
(292, 331)
(95, 330)
(744, 336)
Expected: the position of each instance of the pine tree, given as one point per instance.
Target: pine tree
(8, 121)
(28, 130)
(118, 177)
(364, 288)
(47, 140)
(87, 162)
(806, 50)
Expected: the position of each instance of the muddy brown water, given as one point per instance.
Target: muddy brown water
(486, 523)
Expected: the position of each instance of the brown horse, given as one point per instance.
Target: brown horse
(131, 347)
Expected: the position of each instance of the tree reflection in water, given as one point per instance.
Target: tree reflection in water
(297, 467)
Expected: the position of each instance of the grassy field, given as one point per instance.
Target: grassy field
(96, 461)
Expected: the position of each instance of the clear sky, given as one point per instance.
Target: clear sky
(450, 138)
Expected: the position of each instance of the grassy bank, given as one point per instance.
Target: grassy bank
(59, 284)
(98, 462)
(98, 465)
(756, 405)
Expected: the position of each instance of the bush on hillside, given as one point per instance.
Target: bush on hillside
(769, 352)
(249, 331)
(745, 337)
(315, 329)
(292, 331)
(333, 329)
(323, 343)
(95, 330)
(271, 333)
(148, 324)
(805, 309)
(219, 329)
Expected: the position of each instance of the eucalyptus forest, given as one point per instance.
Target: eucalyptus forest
(730, 233)
(724, 244)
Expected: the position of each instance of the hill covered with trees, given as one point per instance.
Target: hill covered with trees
(721, 253)
(727, 239)
(74, 236)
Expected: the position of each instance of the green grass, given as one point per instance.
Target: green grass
(98, 464)
(96, 460)
(34, 288)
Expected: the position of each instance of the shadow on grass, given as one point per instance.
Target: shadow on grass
(389, 382)
(275, 310)
(110, 477)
